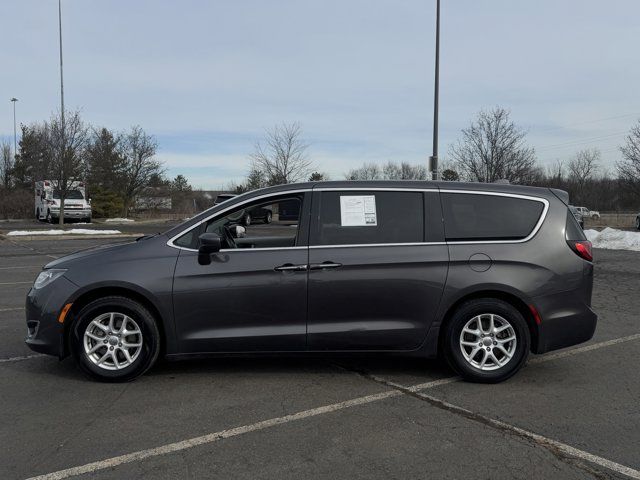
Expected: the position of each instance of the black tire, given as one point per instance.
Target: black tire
(49, 218)
(247, 219)
(37, 214)
(150, 338)
(466, 312)
(267, 218)
(638, 223)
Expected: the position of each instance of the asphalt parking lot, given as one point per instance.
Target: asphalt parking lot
(568, 414)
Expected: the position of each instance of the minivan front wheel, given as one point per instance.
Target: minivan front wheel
(487, 340)
(115, 339)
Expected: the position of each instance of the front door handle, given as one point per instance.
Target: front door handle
(290, 267)
(324, 265)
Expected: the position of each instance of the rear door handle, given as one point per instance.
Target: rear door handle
(290, 267)
(324, 265)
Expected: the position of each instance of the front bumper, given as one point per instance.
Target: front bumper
(72, 214)
(42, 307)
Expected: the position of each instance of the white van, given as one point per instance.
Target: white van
(47, 202)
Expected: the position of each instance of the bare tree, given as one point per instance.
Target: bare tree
(581, 169)
(556, 171)
(493, 148)
(282, 158)
(389, 171)
(583, 164)
(404, 171)
(138, 166)
(629, 167)
(6, 164)
(368, 171)
(66, 139)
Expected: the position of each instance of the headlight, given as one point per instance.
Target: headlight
(47, 276)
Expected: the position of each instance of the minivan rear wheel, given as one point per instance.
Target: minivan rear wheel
(487, 340)
(115, 339)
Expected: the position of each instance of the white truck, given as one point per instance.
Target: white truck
(47, 202)
(586, 213)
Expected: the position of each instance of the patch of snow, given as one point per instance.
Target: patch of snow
(118, 220)
(73, 231)
(612, 239)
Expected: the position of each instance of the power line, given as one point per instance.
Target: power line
(580, 142)
(564, 127)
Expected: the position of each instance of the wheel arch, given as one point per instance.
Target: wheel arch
(91, 294)
(511, 298)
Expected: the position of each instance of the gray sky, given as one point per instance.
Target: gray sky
(208, 77)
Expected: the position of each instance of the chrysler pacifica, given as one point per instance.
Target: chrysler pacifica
(480, 274)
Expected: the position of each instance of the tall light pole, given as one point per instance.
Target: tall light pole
(15, 142)
(61, 78)
(434, 156)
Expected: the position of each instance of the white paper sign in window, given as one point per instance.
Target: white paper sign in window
(358, 211)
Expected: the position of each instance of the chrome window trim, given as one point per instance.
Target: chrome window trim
(535, 230)
(408, 244)
(206, 219)
(374, 189)
(533, 233)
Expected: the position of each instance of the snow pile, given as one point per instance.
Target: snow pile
(613, 239)
(118, 220)
(73, 231)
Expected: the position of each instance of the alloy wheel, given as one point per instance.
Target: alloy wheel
(112, 341)
(488, 342)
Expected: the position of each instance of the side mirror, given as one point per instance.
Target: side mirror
(209, 243)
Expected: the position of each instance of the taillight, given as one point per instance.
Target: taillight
(582, 248)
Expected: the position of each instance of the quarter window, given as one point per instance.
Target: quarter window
(359, 217)
(488, 217)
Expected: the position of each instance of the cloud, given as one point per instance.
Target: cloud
(207, 78)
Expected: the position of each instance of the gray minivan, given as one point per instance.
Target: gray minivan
(480, 273)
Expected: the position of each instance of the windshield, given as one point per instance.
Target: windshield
(71, 195)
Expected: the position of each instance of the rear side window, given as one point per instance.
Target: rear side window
(488, 217)
(573, 230)
(357, 217)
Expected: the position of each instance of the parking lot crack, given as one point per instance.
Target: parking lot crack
(569, 455)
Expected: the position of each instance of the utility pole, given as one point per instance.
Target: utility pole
(434, 157)
(61, 77)
(15, 142)
(63, 131)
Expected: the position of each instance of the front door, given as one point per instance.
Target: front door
(377, 269)
(253, 294)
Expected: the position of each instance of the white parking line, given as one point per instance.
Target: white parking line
(18, 359)
(214, 437)
(587, 348)
(11, 309)
(548, 443)
(15, 283)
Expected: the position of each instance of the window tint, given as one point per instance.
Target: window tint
(187, 240)
(573, 230)
(266, 224)
(71, 195)
(488, 217)
(358, 217)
